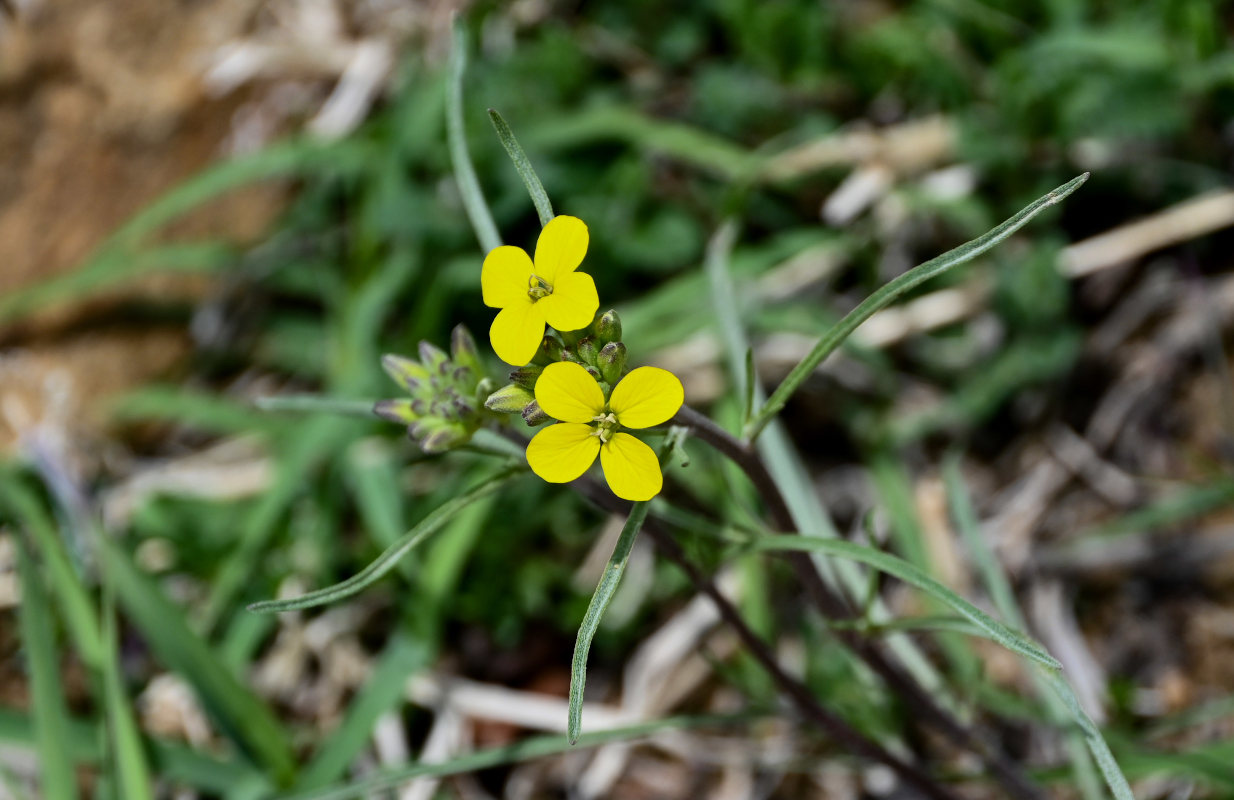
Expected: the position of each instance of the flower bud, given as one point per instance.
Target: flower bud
(405, 372)
(549, 352)
(527, 376)
(593, 372)
(608, 327)
(571, 338)
(399, 411)
(534, 415)
(587, 351)
(441, 436)
(463, 349)
(431, 356)
(509, 399)
(612, 362)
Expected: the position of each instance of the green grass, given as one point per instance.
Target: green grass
(667, 132)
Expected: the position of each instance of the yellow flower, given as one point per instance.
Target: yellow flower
(530, 294)
(562, 452)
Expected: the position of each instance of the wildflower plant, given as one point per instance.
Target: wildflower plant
(572, 374)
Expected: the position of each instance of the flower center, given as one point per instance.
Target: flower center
(606, 426)
(538, 288)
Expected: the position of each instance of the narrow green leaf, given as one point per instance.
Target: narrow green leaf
(76, 607)
(521, 163)
(240, 714)
(315, 404)
(314, 443)
(537, 747)
(383, 691)
(751, 382)
(1000, 591)
(386, 561)
(898, 567)
(43, 668)
(131, 772)
(1106, 762)
(464, 173)
(607, 587)
(173, 762)
(833, 338)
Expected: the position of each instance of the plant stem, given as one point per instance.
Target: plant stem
(835, 726)
(835, 607)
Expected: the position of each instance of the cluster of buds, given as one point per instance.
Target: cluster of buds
(446, 405)
(597, 348)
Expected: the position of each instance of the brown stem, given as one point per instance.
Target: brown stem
(835, 606)
(834, 725)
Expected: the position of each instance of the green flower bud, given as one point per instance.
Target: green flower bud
(571, 338)
(399, 411)
(510, 399)
(432, 356)
(439, 436)
(608, 327)
(533, 415)
(593, 372)
(587, 351)
(405, 372)
(549, 352)
(463, 349)
(527, 376)
(612, 362)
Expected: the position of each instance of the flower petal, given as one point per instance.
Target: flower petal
(565, 391)
(631, 468)
(505, 275)
(646, 397)
(562, 452)
(517, 332)
(560, 248)
(573, 303)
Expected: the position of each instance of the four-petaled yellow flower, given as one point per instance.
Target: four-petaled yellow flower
(562, 452)
(531, 294)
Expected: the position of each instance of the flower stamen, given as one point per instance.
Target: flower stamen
(538, 288)
(606, 426)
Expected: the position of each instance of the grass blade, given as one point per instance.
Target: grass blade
(381, 692)
(315, 404)
(537, 747)
(464, 173)
(239, 713)
(76, 608)
(132, 773)
(1113, 774)
(833, 338)
(1001, 593)
(607, 587)
(536, 189)
(43, 667)
(898, 567)
(386, 561)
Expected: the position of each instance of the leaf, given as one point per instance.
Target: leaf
(43, 669)
(132, 774)
(464, 173)
(532, 181)
(383, 691)
(537, 747)
(1106, 762)
(241, 715)
(833, 338)
(607, 587)
(76, 608)
(386, 561)
(898, 567)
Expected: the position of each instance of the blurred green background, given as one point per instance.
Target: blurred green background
(1078, 388)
